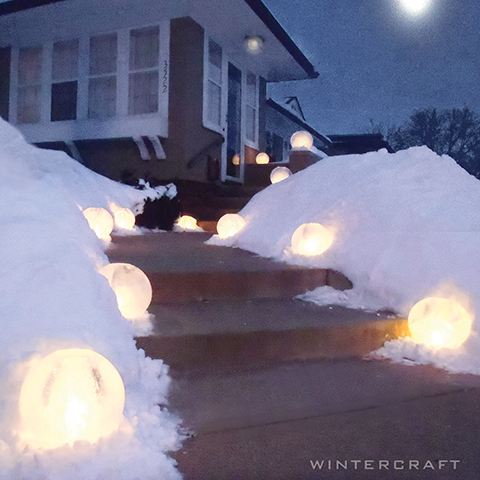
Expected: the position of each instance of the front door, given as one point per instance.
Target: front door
(233, 154)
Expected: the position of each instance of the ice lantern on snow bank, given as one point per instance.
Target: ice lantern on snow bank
(71, 395)
(301, 139)
(262, 159)
(131, 286)
(124, 218)
(439, 322)
(311, 239)
(100, 221)
(187, 222)
(279, 173)
(229, 225)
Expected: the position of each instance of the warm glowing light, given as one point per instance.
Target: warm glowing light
(415, 6)
(311, 239)
(439, 322)
(254, 44)
(236, 159)
(279, 173)
(131, 286)
(100, 221)
(187, 222)
(262, 158)
(229, 225)
(71, 395)
(124, 219)
(301, 140)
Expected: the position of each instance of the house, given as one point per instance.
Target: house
(170, 89)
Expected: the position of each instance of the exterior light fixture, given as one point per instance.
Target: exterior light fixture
(301, 139)
(187, 222)
(262, 159)
(100, 221)
(70, 395)
(131, 286)
(229, 225)
(311, 239)
(279, 173)
(254, 44)
(439, 322)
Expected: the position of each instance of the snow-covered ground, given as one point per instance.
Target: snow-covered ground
(52, 297)
(406, 226)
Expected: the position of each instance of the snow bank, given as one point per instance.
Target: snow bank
(407, 226)
(51, 297)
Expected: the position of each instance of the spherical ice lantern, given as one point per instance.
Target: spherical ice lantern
(100, 221)
(131, 286)
(311, 239)
(236, 159)
(262, 159)
(124, 219)
(279, 173)
(301, 140)
(71, 395)
(439, 322)
(187, 222)
(229, 225)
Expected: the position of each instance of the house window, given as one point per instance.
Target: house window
(276, 147)
(214, 84)
(143, 76)
(64, 81)
(29, 85)
(251, 110)
(102, 85)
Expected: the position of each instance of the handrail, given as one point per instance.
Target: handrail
(192, 162)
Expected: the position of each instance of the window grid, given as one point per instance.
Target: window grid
(29, 89)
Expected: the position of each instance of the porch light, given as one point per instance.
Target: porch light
(131, 286)
(311, 239)
(439, 322)
(100, 221)
(254, 44)
(279, 173)
(262, 159)
(187, 222)
(301, 139)
(229, 225)
(71, 395)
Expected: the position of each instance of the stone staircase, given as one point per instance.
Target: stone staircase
(220, 305)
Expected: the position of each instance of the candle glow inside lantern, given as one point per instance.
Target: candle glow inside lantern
(70, 395)
(262, 159)
(279, 173)
(100, 221)
(229, 225)
(131, 286)
(124, 219)
(187, 222)
(301, 139)
(311, 239)
(439, 322)
(236, 159)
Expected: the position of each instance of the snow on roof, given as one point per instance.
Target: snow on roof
(407, 226)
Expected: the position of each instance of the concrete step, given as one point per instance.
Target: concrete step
(182, 268)
(238, 332)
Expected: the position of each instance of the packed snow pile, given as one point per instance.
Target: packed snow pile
(406, 226)
(52, 297)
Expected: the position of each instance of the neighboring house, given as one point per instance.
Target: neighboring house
(166, 89)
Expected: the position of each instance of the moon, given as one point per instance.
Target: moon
(415, 6)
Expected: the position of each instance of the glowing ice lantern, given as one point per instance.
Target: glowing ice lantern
(311, 239)
(100, 221)
(124, 218)
(236, 159)
(279, 173)
(439, 322)
(71, 395)
(131, 286)
(229, 225)
(301, 140)
(187, 222)
(262, 159)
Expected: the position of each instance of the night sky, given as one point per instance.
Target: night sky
(376, 62)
